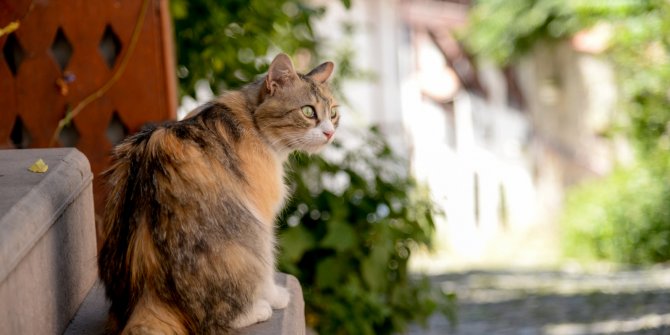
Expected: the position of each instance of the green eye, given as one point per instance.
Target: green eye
(333, 112)
(308, 111)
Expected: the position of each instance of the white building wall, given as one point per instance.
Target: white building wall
(376, 51)
(489, 137)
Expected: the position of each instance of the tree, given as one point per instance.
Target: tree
(623, 217)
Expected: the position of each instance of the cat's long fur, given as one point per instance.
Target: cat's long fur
(188, 228)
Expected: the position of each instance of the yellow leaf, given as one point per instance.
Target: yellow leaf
(39, 166)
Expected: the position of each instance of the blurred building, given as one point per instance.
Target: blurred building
(498, 147)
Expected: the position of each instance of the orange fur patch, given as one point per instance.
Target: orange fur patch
(267, 191)
(142, 255)
(151, 316)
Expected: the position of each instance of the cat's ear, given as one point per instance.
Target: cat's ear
(281, 73)
(322, 72)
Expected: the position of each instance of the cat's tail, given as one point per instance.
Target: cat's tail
(151, 316)
(128, 259)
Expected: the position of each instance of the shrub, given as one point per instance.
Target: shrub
(227, 42)
(622, 218)
(348, 233)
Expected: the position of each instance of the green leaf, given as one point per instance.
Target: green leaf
(375, 268)
(329, 273)
(340, 237)
(295, 241)
(179, 9)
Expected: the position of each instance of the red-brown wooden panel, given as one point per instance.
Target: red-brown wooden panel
(83, 42)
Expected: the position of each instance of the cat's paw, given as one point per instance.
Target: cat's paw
(279, 298)
(260, 311)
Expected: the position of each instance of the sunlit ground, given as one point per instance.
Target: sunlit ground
(531, 247)
(566, 302)
(526, 288)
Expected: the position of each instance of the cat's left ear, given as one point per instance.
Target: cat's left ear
(281, 73)
(322, 72)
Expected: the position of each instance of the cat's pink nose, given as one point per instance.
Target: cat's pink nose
(329, 134)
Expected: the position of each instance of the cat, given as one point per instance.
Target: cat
(188, 230)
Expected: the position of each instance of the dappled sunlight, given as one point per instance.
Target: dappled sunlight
(571, 283)
(652, 323)
(487, 284)
(556, 302)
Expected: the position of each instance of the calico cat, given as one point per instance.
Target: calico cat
(188, 230)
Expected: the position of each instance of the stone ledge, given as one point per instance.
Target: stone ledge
(32, 202)
(47, 239)
(91, 317)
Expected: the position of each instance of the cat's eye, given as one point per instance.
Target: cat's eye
(333, 112)
(308, 111)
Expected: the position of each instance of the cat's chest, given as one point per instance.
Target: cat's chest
(265, 186)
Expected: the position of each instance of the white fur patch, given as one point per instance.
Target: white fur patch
(260, 311)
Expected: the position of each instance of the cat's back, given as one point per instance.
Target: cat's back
(177, 202)
(214, 150)
(188, 159)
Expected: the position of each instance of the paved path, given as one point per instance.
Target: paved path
(556, 303)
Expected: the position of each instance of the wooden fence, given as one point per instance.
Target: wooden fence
(101, 69)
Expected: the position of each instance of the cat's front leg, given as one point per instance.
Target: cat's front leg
(272, 296)
(277, 296)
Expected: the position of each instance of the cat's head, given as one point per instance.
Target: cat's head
(297, 112)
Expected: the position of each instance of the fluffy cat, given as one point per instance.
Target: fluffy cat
(188, 228)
